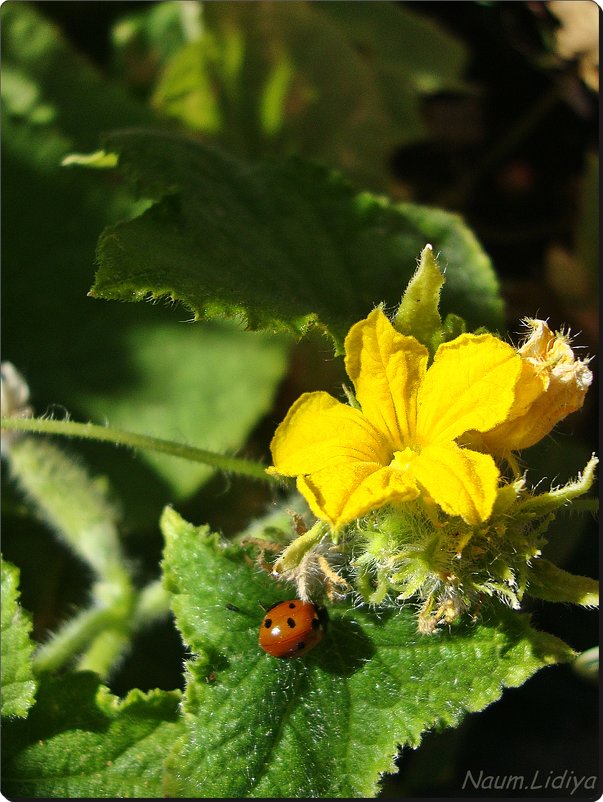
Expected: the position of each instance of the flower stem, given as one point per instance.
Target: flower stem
(103, 632)
(71, 638)
(75, 505)
(109, 645)
(91, 431)
(153, 602)
(105, 650)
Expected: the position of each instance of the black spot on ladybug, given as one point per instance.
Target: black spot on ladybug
(292, 605)
(315, 623)
(268, 623)
(291, 623)
(301, 645)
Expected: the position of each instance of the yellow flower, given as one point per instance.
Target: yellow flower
(402, 442)
(553, 384)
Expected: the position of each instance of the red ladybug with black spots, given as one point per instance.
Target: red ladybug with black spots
(292, 628)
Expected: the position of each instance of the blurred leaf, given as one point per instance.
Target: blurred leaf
(409, 52)
(282, 245)
(257, 80)
(328, 724)
(18, 683)
(51, 218)
(79, 741)
(206, 385)
(130, 366)
(144, 40)
(100, 159)
(46, 74)
(586, 665)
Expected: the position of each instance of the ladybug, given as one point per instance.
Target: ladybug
(292, 628)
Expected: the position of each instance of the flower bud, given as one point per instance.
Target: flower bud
(553, 384)
(14, 401)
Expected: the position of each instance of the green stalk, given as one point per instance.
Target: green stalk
(153, 602)
(72, 503)
(110, 644)
(91, 431)
(105, 650)
(102, 633)
(71, 638)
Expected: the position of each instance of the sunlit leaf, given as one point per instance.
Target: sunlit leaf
(18, 683)
(329, 723)
(284, 245)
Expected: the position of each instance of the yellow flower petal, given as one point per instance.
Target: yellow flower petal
(320, 432)
(354, 489)
(386, 368)
(470, 385)
(535, 424)
(552, 385)
(349, 462)
(460, 481)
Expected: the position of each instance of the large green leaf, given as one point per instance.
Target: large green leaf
(284, 245)
(328, 724)
(140, 368)
(205, 385)
(18, 683)
(79, 741)
(256, 81)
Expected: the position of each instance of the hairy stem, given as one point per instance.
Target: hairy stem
(91, 431)
(153, 602)
(72, 638)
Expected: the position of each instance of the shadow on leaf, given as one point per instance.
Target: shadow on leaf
(345, 649)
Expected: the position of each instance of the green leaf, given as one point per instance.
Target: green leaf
(18, 683)
(204, 385)
(328, 724)
(256, 81)
(408, 51)
(284, 245)
(79, 741)
(142, 368)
